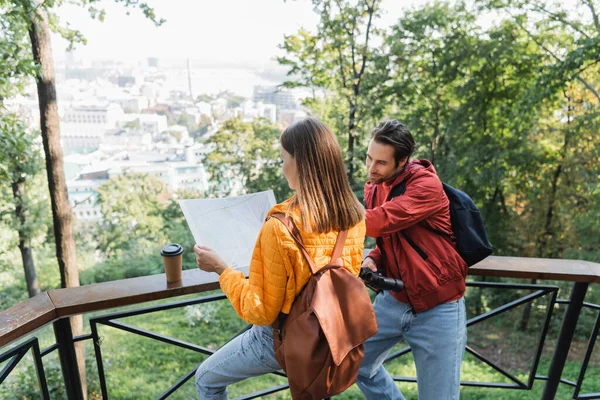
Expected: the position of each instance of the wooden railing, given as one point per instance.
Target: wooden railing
(55, 305)
(50, 306)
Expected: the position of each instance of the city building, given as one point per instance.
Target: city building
(149, 123)
(153, 62)
(83, 199)
(282, 98)
(288, 117)
(104, 115)
(83, 127)
(131, 103)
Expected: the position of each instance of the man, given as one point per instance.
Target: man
(408, 214)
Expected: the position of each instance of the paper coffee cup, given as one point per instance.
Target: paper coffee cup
(172, 259)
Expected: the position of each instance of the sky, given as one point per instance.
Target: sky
(238, 31)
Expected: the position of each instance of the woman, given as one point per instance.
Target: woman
(322, 205)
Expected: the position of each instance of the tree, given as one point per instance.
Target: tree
(20, 161)
(39, 34)
(473, 99)
(189, 121)
(430, 48)
(575, 34)
(205, 98)
(338, 58)
(16, 63)
(135, 124)
(19, 157)
(132, 207)
(246, 153)
(37, 18)
(564, 100)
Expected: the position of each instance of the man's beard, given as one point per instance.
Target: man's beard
(381, 179)
(377, 181)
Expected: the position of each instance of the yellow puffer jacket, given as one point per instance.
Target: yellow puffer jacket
(279, 271)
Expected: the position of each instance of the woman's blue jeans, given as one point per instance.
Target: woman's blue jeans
(249, 354)
(437, 338)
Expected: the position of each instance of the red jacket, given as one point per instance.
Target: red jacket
(435, 276)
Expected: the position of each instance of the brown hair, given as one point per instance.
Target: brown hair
(324, 196)
(397, 135)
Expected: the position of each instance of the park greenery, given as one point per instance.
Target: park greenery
(502, 95)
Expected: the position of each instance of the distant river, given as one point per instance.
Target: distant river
(214, 80)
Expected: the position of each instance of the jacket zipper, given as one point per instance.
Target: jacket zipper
(415, 247)
(412, 309)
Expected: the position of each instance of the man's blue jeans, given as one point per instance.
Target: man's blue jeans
(250, 354)
(437, 338)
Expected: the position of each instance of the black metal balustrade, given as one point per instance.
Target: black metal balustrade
(55, 306)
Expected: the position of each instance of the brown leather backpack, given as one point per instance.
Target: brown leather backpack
(319, 344)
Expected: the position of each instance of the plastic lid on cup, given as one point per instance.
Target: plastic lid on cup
(171, 250)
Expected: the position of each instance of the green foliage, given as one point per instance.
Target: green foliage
(24, 205)
(132, 220)
(16, 63)
(305, 59)
(340, 61)
(195, 129)
(137, 367)
(234, 101)
(21, 163)
(13, 288)
(139, 218)
(506, 113)
(249, 153)
(19, 151)
(189, 121)
(205, 98)
(135, 124)
(547, 170)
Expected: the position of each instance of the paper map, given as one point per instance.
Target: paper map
(230, 226)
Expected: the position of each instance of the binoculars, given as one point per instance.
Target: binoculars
(377, 281)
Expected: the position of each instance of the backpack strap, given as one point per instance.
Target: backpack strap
(336, 259)
(336, 256)
(399, 190)
(396, 191)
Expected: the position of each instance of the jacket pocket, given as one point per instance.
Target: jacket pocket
(441, 270)
(415, 246)
(427, 277)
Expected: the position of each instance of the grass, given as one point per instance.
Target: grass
(140, 368)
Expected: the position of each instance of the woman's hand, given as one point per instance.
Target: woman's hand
(208, 260)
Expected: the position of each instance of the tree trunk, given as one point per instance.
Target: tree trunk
(61, 210)
(526, 312)
(33, 287)
(62, 215)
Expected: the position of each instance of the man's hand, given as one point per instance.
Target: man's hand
(369, 263)
(208, 260)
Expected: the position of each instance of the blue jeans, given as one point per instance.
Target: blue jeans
(437, 338)
(250, 354)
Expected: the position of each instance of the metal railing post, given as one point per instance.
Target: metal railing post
(68, 358)
(565, 337)
(39, 368)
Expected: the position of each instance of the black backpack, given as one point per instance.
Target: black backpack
(472, 242)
